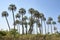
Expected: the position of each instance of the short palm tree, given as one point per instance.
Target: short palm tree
(50, 19)
(5, 14)
(22, 11)
(54, 23)
(39, 25)
(48, 23)
(55, 29)
(18, 16)
(12, 8)
(17, 22)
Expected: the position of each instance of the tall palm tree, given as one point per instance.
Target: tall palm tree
(12, 8)
(37, 17)
(5, 14)
(41, 16)
(31, 24)
(44, 19)
(25, 22)
(50, 19)
(31, 11)
(22, 11)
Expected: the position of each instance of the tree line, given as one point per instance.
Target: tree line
(37, 18)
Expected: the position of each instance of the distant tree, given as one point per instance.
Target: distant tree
(25, 22)
(54, 23)
(59, 18)
(5, 14)
(41, 16)
(18, 17)
(44, 19)
(50, 20)
(37, 17)
(17, 22)
(31, 11)
(22, 11)
(31, 24)
(12, 8)
(48, 23)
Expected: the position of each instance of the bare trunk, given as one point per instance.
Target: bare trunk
(7, 23)
(45, 27)
(41, 27)
(51, 29)
(13, 22)
(13, 19)
(22, 25)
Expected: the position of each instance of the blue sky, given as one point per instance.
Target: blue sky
(50, 8)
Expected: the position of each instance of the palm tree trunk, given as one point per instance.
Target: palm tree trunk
(45, 27)
(22, 25)
(26, 30)
(51, 29)
(19, 28)
(30, 29)
(13, 22)
(48, 29)
(41, 27)
(7, 23)
(13, 18)
(36, 29)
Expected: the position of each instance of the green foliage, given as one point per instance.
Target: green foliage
(3, 33)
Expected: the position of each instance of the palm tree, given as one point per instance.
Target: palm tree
(25, 22)
(31, 11)
(59, 18)
(12, 8)
(55, 29)
(31, 24)
(37, 17)
(44, 19)
(17, 22)
(54, 23)
(50, 19)
(41, 16)
(22, 11)
(5, 14)
(17, 15)
(48, 23)
(39, 25)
